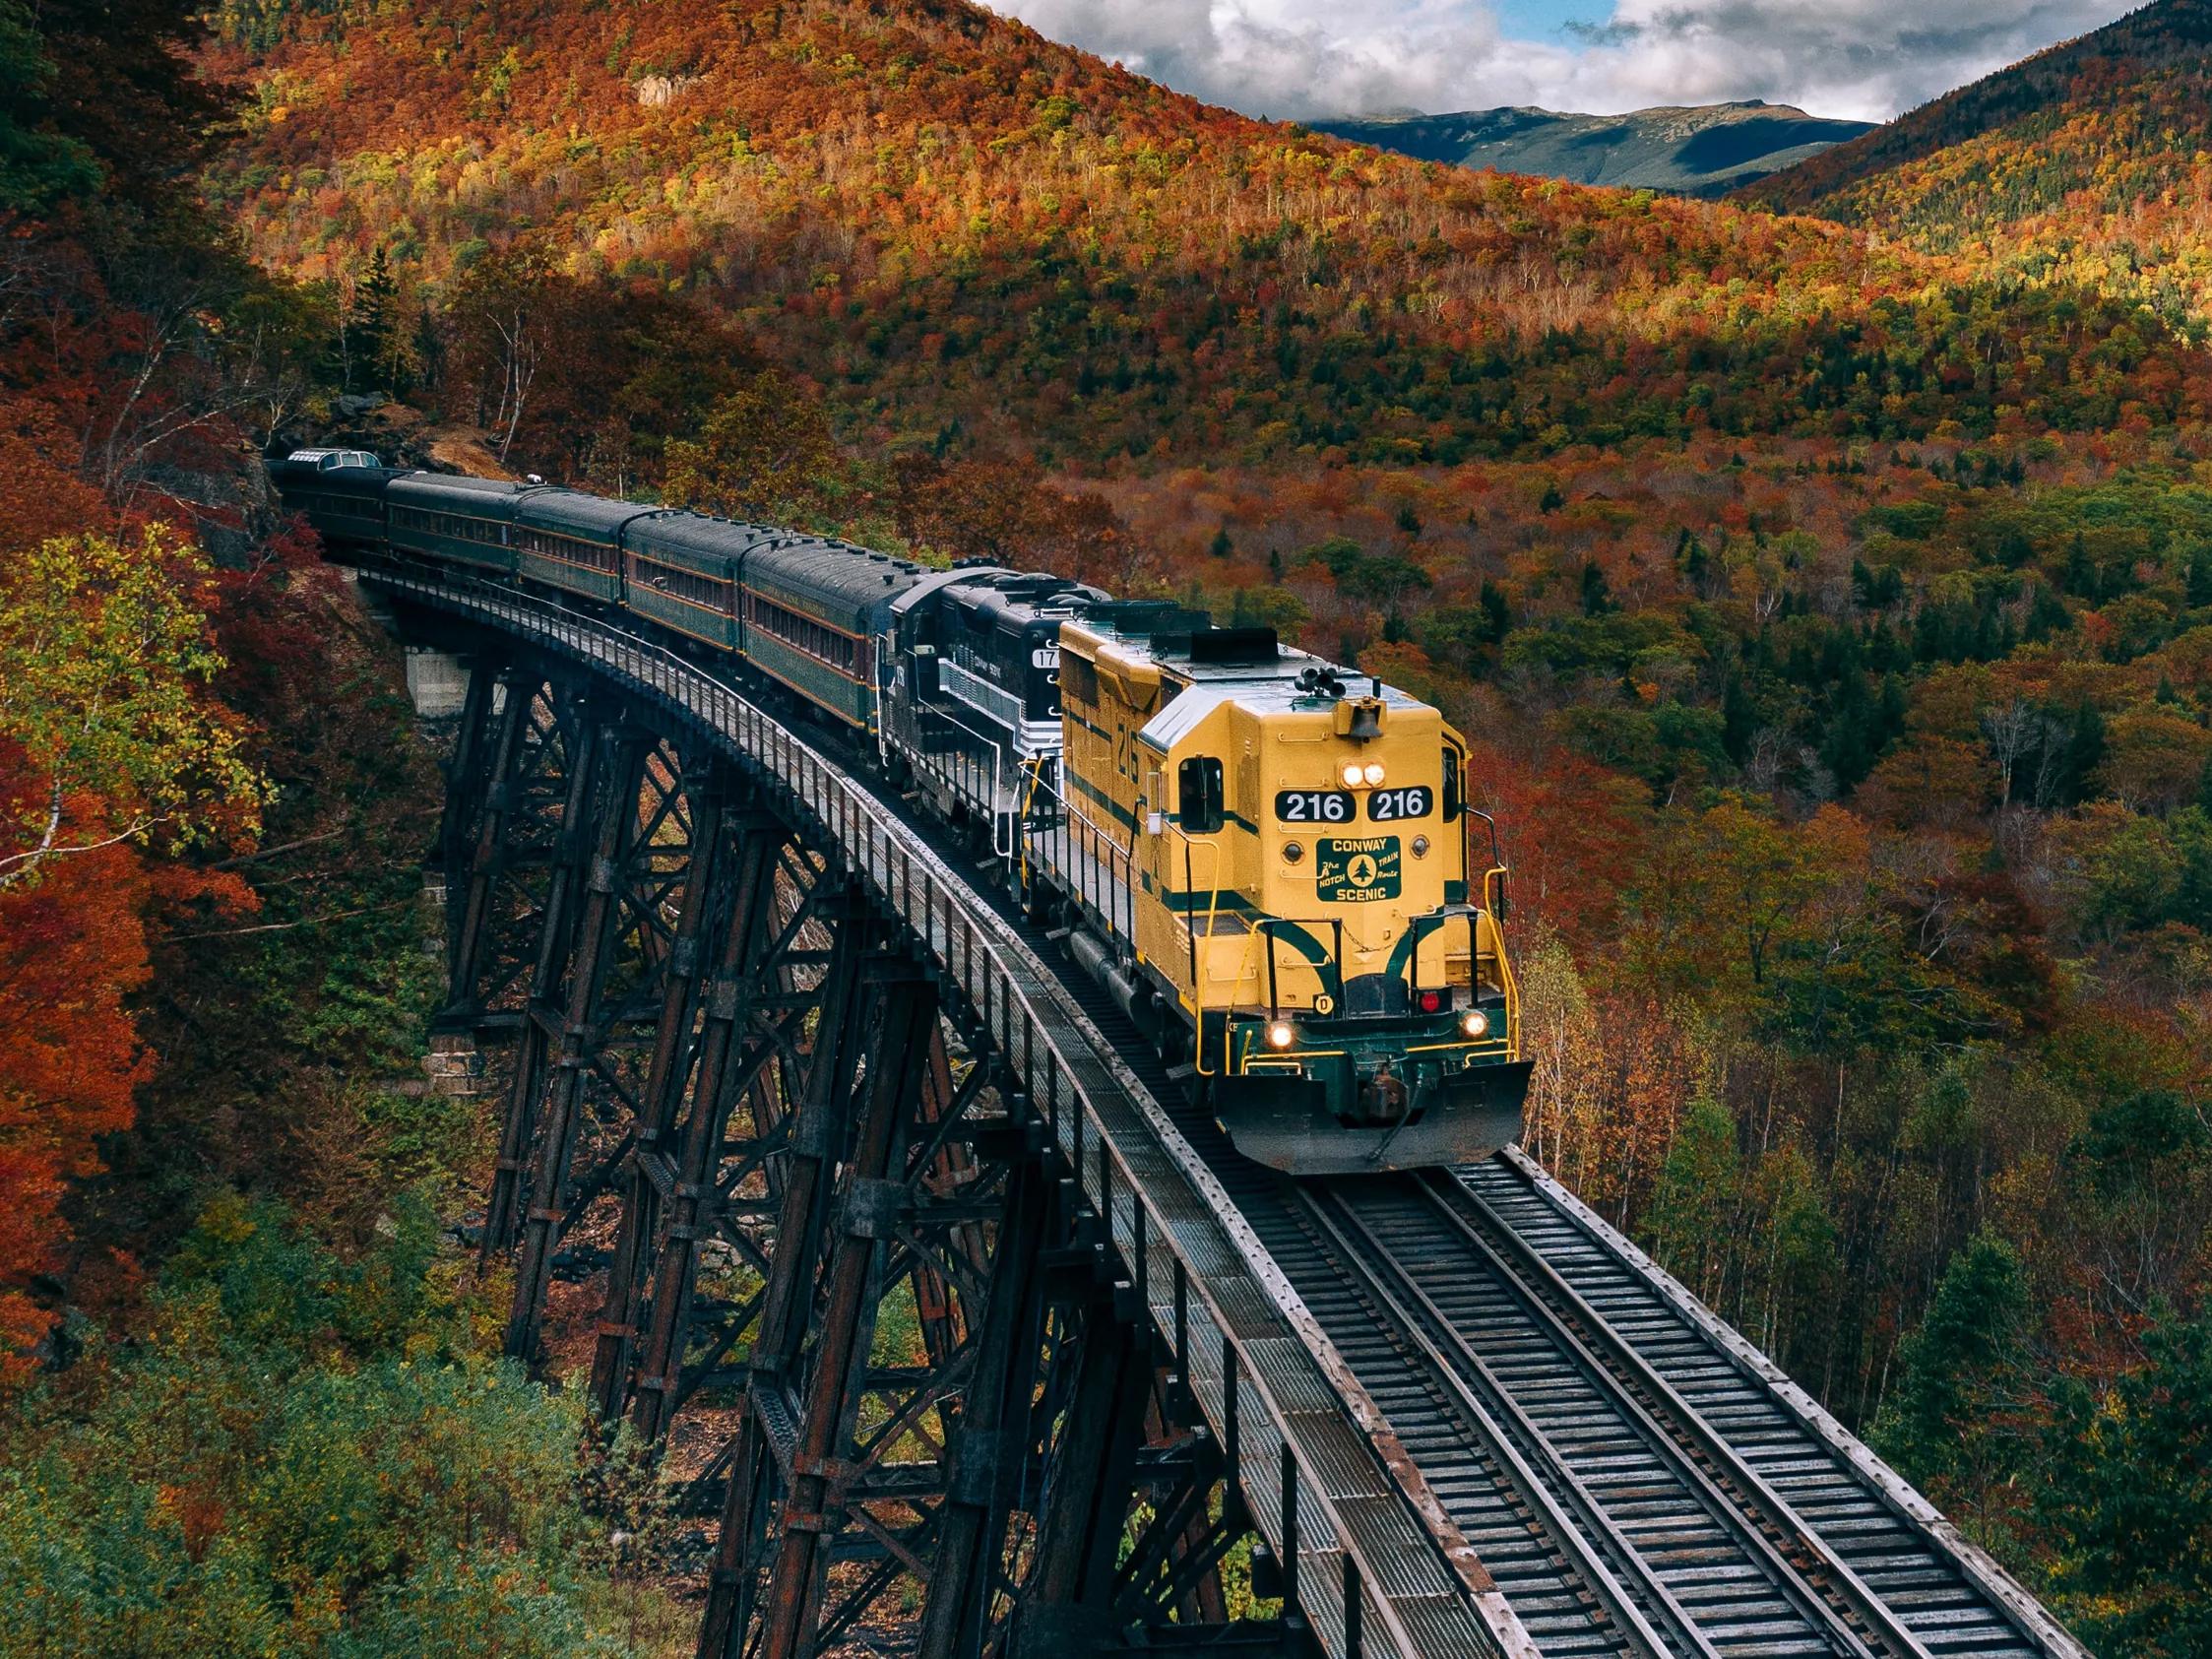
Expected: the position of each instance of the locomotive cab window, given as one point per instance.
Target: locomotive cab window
(1198, 790)
(1455, 774)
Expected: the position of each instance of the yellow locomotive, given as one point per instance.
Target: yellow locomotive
(1267, 865)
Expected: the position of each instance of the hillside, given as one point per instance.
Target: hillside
(967, 234)
(1703, 149)
(2086, 164)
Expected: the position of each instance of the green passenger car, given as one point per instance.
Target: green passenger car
(573, 541)
(458, 520)
(813, 611)
(681, 571)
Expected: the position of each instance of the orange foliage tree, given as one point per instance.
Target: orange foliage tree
(111, 747)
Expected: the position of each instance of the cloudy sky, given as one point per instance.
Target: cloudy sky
(1296, 59)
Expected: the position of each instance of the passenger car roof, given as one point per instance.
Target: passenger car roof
(487, 498)
(555, 508)
(836, 571)
(699, 536)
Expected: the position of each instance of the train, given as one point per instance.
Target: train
(1266, 859)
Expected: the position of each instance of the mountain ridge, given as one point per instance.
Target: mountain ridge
(2021, 89)
(2085, 165)
(956, 228)
(1691, 150)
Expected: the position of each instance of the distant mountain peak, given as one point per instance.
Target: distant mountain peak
(2081, 165)
(2158, 58)
(1693, 150)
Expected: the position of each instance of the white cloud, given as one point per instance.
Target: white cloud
(1299, 58)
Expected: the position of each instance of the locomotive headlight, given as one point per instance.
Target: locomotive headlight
(1280, 1034)
(1353, 774)
(1372, 772)
(1294, 852)
(1420, 847)
(1475, 1022)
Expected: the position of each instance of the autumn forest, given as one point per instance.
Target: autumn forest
(1824, 578)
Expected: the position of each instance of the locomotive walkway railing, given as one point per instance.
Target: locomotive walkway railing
(1368, 1553)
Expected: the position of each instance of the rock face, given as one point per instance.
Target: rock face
(1703, 149)
(655, 90)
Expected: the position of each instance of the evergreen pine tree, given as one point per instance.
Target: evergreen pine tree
(2085, 752)
(1890, 717)
(2200, 579)
(1848, 748)
(2080, 577)
(2048, 613)
(1739, 718)
(1690, 558)
(1597, 598)
(370, 324)
(1497, 617)
(1960, 1371)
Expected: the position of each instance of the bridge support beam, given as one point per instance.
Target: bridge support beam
(732, 1056)
(660, 1105)
(946, 1395)
(481, 786)
(569, 1044)
(814, 1501)
(764, 1450)
(1088, 1485)
(993, 1441)
(555, 938)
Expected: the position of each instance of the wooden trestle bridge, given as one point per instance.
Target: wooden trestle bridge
(786, 1077)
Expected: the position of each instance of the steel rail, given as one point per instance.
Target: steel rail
(1529, 1279)
(1571, 1511)
(1329, 1487)
(1821, 1433)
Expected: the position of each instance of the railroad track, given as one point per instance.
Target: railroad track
(1689, 1509)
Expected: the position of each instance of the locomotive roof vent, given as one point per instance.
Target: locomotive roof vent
(1030, 585)
(1231, 647)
